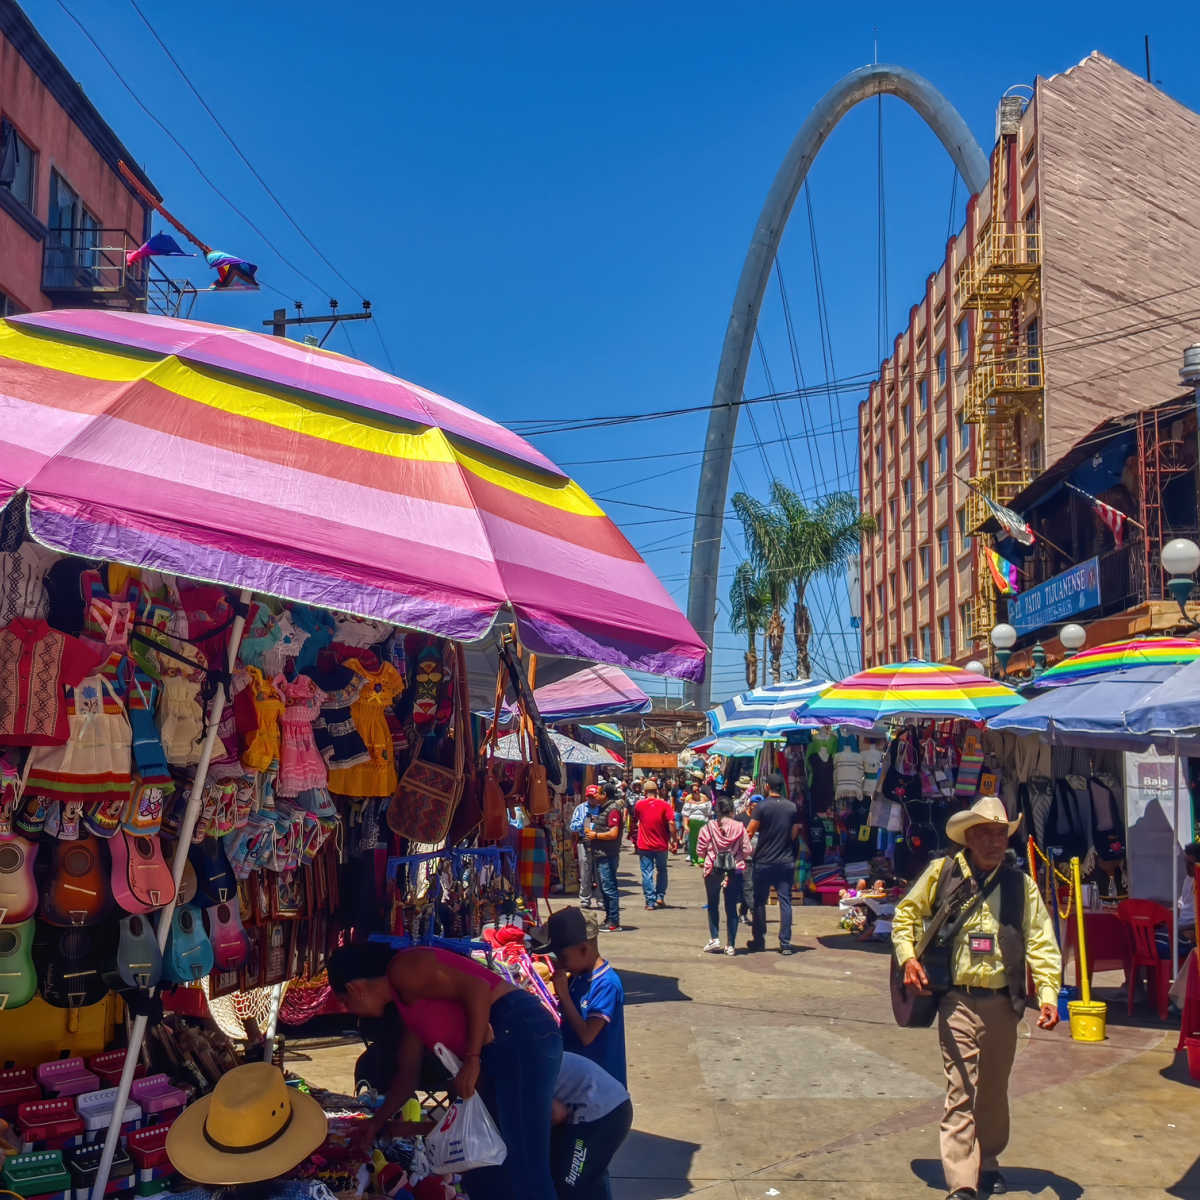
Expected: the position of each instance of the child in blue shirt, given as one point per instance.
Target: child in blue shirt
(590, 996)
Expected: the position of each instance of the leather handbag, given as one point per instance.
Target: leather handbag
(495, 810)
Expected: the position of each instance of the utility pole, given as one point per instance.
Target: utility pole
(280, 321)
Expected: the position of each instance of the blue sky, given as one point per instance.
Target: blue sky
(549, 206)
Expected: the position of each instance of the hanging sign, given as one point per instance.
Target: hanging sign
(1073, 591)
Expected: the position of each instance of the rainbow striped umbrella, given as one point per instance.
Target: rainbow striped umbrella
(912, 689)
(1118, 656)
(259, 463)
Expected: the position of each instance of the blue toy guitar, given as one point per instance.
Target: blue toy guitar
(189, 954)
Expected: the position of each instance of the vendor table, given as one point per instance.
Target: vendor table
(1107, 944)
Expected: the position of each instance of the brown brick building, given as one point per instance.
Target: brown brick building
(1064, 301)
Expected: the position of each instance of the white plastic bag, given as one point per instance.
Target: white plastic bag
(467, 1136)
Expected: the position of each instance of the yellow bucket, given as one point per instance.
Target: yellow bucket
(1087, 1020)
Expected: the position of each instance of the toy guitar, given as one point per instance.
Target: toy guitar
(141, 879)
(18, 887)
(137, 960)
(189, 953)
(18, 978)
(215, 882)
(230, 945)
(68, 965)
(76, 890)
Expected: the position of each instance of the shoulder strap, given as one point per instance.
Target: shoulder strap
(1012, 898)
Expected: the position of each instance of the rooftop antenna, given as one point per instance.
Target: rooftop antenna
(876, 47)
(1148, 79)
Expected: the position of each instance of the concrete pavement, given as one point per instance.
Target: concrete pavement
(765, 1076)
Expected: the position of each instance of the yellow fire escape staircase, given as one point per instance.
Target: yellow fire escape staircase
(1000, 277)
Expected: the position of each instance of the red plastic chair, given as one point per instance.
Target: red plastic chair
(1142, 918)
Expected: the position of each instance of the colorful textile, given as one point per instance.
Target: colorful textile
(302, 474)
(1120, 656)
(232, 272)
(914, 688)
(36, 664)
(533, 864)
(1003, 573)
(160, 245)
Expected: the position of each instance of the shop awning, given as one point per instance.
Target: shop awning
(596, 691)
(261, 463)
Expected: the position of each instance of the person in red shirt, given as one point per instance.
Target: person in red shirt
(653, 834)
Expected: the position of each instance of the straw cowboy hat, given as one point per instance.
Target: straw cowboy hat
(987, 810)
(744, 782)
(251, 1128)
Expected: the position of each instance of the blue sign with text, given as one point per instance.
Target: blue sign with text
(1072, 592)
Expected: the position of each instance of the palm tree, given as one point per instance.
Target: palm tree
(820, 538)
(765, 530)
(749, 602)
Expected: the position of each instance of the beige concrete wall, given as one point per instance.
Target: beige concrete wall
(1120, 212)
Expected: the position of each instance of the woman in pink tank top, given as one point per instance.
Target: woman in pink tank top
(509, 1046)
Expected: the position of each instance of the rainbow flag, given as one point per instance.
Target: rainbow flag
(1004, 573)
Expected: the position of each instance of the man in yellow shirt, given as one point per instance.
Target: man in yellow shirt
(979, 1015)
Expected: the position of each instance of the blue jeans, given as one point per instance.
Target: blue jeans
(519, 1071)
(606, 873)
(778, 876)
(654, 863)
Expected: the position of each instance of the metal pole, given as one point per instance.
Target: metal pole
(953, 132)
(272, 1022)
(191, 814)
(1174, 926)
(1085, 984)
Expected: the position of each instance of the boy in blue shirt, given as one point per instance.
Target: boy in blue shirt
(590, 996)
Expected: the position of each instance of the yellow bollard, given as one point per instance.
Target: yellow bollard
(1087, 1018)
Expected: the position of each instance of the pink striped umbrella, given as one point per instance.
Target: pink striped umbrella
(257, 462)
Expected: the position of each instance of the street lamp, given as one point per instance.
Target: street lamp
(975, 667)
(1038, 657)
(1180, 558)
(1003, 638)
(1072, 637)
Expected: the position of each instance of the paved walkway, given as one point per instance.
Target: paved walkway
(758, 1076)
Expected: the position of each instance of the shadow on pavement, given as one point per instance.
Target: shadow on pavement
(850, 941)
(649, 1167)
(1189, 1185)
(1178, 1072)
(641, 988)
(1020, 1179)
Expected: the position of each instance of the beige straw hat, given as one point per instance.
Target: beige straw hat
(987, 810)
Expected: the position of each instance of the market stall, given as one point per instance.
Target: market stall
(280, 726)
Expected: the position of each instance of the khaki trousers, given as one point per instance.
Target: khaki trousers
(978, 1036)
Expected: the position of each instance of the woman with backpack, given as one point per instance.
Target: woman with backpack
(723, 847)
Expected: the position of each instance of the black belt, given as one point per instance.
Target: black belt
(980, 991)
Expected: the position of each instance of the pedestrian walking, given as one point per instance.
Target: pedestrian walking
(724, 846)
(652, 831)
(776, 822)
(743, 815)
(1001, 927)
(604, 832)
(584, 856)
(697, 811)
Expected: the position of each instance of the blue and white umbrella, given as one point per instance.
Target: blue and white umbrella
(765, 711)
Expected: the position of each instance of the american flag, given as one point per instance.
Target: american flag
(1111, 517)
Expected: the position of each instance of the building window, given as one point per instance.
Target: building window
(879, 460)
(8, 306)
(965, 622)
(947, 650)
(944, 545)
(909, 648)
(941, 367)
(72, 238)
(926, 643)
(1033, 343)
(923, 392)
(879, 594)
(906, 418)
(964, 433)
(964, 539)
(24, 166)
(907, 577)
(892, 512)
(961, 340)
(943, 454)
(923, 473)
(892, 583)
(907, 494)
(924, 562)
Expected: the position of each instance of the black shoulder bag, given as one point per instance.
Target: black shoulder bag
(935, 951)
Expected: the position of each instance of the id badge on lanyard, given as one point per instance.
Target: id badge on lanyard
(982, 945)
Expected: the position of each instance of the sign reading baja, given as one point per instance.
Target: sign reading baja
(1074, 591)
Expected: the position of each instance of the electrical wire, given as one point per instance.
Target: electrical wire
(187, 153)
(238, 150)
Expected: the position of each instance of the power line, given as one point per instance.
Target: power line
(238, 151)
(184, 150)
